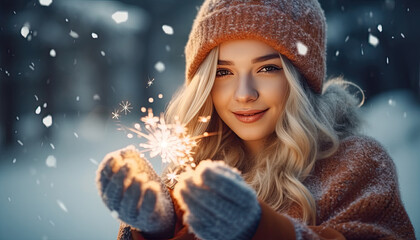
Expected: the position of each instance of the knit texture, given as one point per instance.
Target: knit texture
(356, 193)
(296, 29)
(218, 204)
(130, 187)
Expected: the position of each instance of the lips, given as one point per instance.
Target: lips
(249, 116)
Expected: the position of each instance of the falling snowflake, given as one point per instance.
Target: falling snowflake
(392, 102)
(53, 53)
(47, 121)
(114, 214)
(126, 106)
(302, 48)
(62, 206)
(120, 16)
(73, 34)
(24, 31)
(93, 161)
(374, 41)
(94, 35)
(45, 2)
(51, 161)
(160, 66)
(168, 29)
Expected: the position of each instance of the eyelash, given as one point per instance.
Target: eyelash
(273, 68)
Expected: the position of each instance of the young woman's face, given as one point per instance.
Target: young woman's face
(250, 90)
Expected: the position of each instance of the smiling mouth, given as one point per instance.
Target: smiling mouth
(249, 116)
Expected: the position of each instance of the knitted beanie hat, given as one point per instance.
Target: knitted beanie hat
(294, 28)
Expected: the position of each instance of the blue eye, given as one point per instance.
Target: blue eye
(222, 72)
(269, 68)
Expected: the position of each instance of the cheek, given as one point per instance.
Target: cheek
(274, 93)
(220, 96)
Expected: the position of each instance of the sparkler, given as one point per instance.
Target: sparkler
(171, 142)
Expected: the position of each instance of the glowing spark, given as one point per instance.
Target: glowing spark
(115, 114)
(150, 120)
(150, 82)
(204, 119)
(126, 106)
(172, 176)
(170, 142)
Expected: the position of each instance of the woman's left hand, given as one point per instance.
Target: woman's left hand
(217, 202)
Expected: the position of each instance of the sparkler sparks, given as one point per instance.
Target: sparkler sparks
(172, 176)
(150, 82)
(204, 119)
(126, 106)
(171, 142)
(115, 114)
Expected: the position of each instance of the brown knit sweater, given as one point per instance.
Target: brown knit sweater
(357, 197)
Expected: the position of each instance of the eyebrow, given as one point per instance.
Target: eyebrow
(255, 60)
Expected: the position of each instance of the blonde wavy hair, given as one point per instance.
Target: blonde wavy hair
(309, 129)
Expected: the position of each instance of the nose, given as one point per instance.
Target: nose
(246, 91)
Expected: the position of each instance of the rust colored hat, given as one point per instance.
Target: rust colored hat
(294, 28)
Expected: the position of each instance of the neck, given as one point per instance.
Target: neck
(254, 147)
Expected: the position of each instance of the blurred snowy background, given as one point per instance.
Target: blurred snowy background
(65, 66)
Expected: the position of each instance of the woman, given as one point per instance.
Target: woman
(292, 164)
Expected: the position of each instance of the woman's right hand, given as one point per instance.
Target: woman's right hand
(130, 187)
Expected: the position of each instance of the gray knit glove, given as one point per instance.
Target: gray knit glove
(218, 204)
(130, 187)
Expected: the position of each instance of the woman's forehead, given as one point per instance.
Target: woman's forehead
(248, 49)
